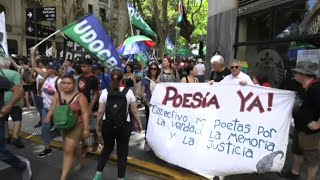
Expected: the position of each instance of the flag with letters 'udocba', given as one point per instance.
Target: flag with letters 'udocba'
(91, 35)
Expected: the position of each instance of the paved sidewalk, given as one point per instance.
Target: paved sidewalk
(147, 162)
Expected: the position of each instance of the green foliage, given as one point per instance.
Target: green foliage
(200, 17)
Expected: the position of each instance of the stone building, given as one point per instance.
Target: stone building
(18, 30)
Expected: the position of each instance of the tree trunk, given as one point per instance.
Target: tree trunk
(162, 45)
(162, 25)
(123, 22)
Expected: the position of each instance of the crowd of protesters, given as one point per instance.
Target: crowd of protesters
(86, 86)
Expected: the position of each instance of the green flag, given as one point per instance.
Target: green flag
(137, 20)
(143, 58)
(91, 35)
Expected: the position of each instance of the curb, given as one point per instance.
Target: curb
(133, 163)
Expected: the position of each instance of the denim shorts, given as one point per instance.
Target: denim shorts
(307, 146)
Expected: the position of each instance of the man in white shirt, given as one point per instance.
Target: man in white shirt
(201, 70)
(236, 75)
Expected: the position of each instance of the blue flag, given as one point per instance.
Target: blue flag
(137, 20)
(91, 35)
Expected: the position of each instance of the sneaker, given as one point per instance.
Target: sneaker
(98, 176)
(27, 173)
(44, 153)
(38, 125)
(289, 175)
(17, 142)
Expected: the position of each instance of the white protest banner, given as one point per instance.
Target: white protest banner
(222, 129)
(3, 33)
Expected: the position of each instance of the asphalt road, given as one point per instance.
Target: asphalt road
(50, 168)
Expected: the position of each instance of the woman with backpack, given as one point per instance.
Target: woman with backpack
(49, 88)
(71, 136)
(116, 103)
(148, 84)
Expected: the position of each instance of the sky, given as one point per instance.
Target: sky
(311, 4)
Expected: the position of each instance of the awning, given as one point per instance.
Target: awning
(250, 6)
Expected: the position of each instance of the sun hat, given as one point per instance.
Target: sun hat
(200, 60)
(306, 67)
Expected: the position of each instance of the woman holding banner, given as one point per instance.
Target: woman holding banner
(130, 79)
(148, 84)
(168, 72)
(192, 73)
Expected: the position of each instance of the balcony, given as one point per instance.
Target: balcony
(104, 1)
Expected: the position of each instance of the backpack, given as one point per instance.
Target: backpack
(26, 75)
(116, 107)
(3, 75)
(63, 116)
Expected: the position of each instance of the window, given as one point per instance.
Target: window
(103, 14)
(90, 8)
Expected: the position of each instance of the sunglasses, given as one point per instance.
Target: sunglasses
(234, 67)
(153, 69)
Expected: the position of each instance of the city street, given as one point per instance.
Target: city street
(52, 165)
(225, 83)
(49, 168)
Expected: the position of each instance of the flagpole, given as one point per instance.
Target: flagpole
(130, 21)
(128, 60)
(46, 38)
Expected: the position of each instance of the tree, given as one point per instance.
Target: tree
(198, 16)
(122, 24)
(164, 20)
(75, 12)
(162, 24)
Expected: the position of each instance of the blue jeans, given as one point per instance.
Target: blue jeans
(38, 101)
(5, 155)
(46, 134)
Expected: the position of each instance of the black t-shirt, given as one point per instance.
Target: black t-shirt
(87, 85)
(218, 76)
(6, 85)
(309, 110)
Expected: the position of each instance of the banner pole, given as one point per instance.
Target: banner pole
(46, 38)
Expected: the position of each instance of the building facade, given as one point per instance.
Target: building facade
(18, 27)
(263, 31)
